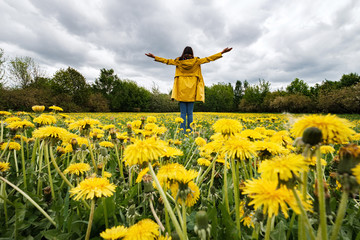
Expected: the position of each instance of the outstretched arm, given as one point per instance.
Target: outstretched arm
(162, 60)
(214, 57)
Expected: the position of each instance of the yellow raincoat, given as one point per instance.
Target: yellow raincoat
(188, 81)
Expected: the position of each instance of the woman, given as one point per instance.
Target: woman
(189, 84)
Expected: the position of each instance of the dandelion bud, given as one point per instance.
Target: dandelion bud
(83, 147)
(60, 151)
(47, 194)
(103, 152)
(74, 144)
(312, 136)
(349, 157)
(202, 227)
(112, 132)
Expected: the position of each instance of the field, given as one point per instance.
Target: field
(139, 176)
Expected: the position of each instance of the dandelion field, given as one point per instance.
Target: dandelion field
(139, 176)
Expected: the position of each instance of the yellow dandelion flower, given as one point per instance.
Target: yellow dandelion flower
(93, 187)
(141, 174)
(325, 149)
(12, 119)
(38, 108)
(227, 126)
(114, 233)
(107, 174)
(151, 119)
(251, 134)
(283, 167)
(172, 152)
(356, 172)
(169, 172)
(281, 137)
(164, 238)
(83, 124)
(312, 161)
(77, 168)
(203, 162)
(51, 132)
(4, 166)
(4, 113)
(270, 148)
(333, 128)
(179, 120)
(45, 119)
(239, 148)
(150, 126)
(191, 198)
(11, 146)
(145, 229)
(136, 124)
(199, 141)
(267, 195)
(143, 151)
(355, 137)
(20, 124)
(55, 108)
(177, 142)
(109, 126)
(107, 144)
(222, 160)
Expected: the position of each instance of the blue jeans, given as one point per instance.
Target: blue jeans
(186, 109)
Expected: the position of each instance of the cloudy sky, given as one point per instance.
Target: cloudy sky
(276, 41)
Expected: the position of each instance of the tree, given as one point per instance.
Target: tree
(24, 70)
(72, 83)
(218, 98)
(348, 80)
(238, 93)
(2, 67)
(105, 83)
(127, 96)
(254, 96)
(298, 87)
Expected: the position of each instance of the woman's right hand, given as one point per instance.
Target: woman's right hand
(150, 55)
(226, 50)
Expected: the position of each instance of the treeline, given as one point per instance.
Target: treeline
(68, 89)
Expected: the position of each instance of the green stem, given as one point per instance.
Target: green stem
(226, 197)
(46, 153)
(6, 148)
(236, 195)
(91, 217)
(23, 160)
(245, 169)
(191, 151)
(340, 215)
(211, 179)
(166, 203)
(321, 191)
(199, 182)
(41, 154)
(30, 200)
(119, 160)
(16, 163)
(292, 220)
(184, 219)
(304, 215)
(105, 213)
(268, 228)
(92, 156)
(53, 161)
(2, 130)
(4, 196)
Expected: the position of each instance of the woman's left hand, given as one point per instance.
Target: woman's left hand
(150, 55)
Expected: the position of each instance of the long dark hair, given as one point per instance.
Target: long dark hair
(187, 53)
